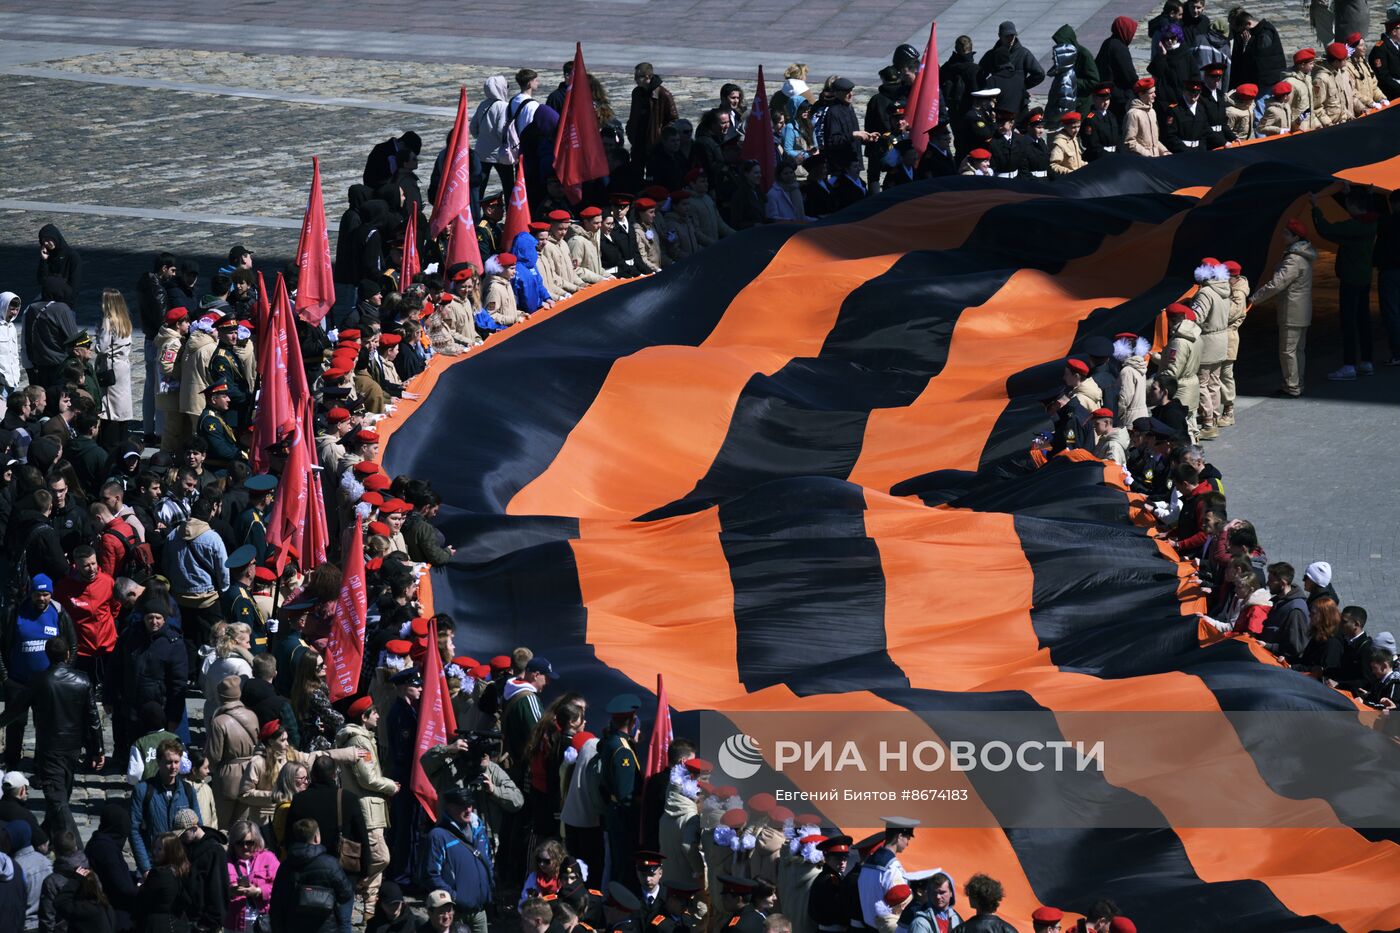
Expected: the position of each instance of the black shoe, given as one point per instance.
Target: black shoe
(1284, 393)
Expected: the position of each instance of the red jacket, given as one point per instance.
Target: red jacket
(111, 550)
(93, 608)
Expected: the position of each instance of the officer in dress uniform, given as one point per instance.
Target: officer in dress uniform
(251, 525)
(648, 866)
(1186, 126)
(401, 737)
(1005, 146)
(679, 913)
(238, 602)
(1102, 132)
(754, 915)
(1035, 147)
(622, 782)
(882, 870)
(622, 911)
(826, 904)
(975, 126)
(1215, 97)
(225, 367)
(216, 430)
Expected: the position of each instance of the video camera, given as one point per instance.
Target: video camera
(480, 742)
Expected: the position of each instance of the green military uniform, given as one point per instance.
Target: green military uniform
(88, 383)
(239, 606)
(622, 783)
(218, 434)
(225, 367)
(251, 528)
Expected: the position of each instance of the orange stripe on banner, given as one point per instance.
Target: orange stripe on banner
(1382, 174)
(677, 402)
(1031, 319)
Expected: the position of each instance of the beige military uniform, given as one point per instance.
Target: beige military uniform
(1066, 155)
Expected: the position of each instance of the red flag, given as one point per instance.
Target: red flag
(284, 525)
(436, 721)
(412, 265)
(347, 643)
(315, 284)
(758, 134)
(661, 735)
(517, 211)
(262, 310)
(454, 201)
(578, 145)
(275, 416)
(462, 245)
(922, 110)
(315, 535)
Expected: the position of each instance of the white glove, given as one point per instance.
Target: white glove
(272, 626)
(332, 335)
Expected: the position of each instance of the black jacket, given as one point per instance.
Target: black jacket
(986, 923)
(1102, 134)
(307, 865)
(317, 803)
(839, 124)
(1385, 62)
(1012, 69)
(47, 327)
(618, 252)
(104, 855)
(1387, 252)
(1260, 60)
(958, 78)
(12, 808)
(63, 262)
(208, 881)
(935, 164)
(163, 903)
(1116, 67)
(152, 301)
(65, 712)
(148, 668)
(34, 546)
(1286, 628)
(350, 221)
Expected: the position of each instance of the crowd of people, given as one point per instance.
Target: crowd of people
(138, 573)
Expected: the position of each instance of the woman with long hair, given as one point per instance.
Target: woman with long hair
(113, 346)
(748, 202)
(1324, 649)
(259, 787)
(232, 654)
(163, 902)
(543, 879)
(251, 871)
(609, 126)
(544, 752)
(317, 721)
(83, 906)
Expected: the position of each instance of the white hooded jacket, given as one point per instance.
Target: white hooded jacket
(488, 124)
(10, 368)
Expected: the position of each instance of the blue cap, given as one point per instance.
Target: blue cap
(41, 583)
(541, 665)
(412, 676)
(263, 482)
(624, 703)
(241, 557)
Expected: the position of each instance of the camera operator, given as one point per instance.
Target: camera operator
(468, 762)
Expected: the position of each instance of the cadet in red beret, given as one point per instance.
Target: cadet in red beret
(556, 265)
(1047, 919)
(1141, 134)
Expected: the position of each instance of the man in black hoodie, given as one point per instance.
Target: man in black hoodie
(208, 878)
(1286, 630)
(1010, 68)
(883, 114)
(1257, 56)
(57, 258)
(48, 323)
(308, 865)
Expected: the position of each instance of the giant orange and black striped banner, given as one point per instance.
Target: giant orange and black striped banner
(791, 474)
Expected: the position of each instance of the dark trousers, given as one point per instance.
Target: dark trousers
(53, 772)
(586, 842)
(17, 716)
(95, 666)
(504, 171)
(620, 824)
(1389, 294)
(1355, 302)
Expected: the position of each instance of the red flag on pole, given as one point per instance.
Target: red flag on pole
(412, 265)
(436, 722)
(315, 283)
(922, 110)
(462, 245)
(758, 134)
(660, 732)
(315, 535)
(262, 310)
(517, 211)
(289, 509)
(454, 192)
(347, 642)
(276, 413)
(578, 146)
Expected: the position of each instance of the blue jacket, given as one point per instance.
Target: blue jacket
(461, 866)
(152, 813)
(194, 559)
(530, 293)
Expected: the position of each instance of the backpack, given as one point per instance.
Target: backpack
(593, 781)
(138, 562)
(512, 134)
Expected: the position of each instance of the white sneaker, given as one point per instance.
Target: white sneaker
(1345, 374)
(1365, 369)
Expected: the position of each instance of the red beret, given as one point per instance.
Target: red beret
(588, 212)
(656, 193)
(1354, 39)
(1072, 117)
(350, 333)
(1304, 55)
(1078, 366)
(465, 662)
(246, 324)
(696, 173)
(337, 415)
(483, 671)
(500, 662)
(505, 259)
(365, 467)
(1101, 413)
(1232, 267)
(373, 498)
(762, 803)
(538, 226)
(335, 372)
(1337, 51)
(898, 895)
(1295, 227)
(389, 340)
(175, 315)
(377, 482)
(559, 217)
(807, 819)
(645, 204)
(360, 707)
(981, 154)
(1122, 925)
(1047, 915)
(679, 196)
(734, 818)
(780, 814)
(379, 528)
(398, 646)
(265, 574)
(394, 507)
(419, 626)
(1177, 307)
(1126, 335)
(1247, 90)
(1210, 261)
(728, 790)
(698, 766)
(1283, 89)
(367, 437)
(1144, 84)
(269, 729)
